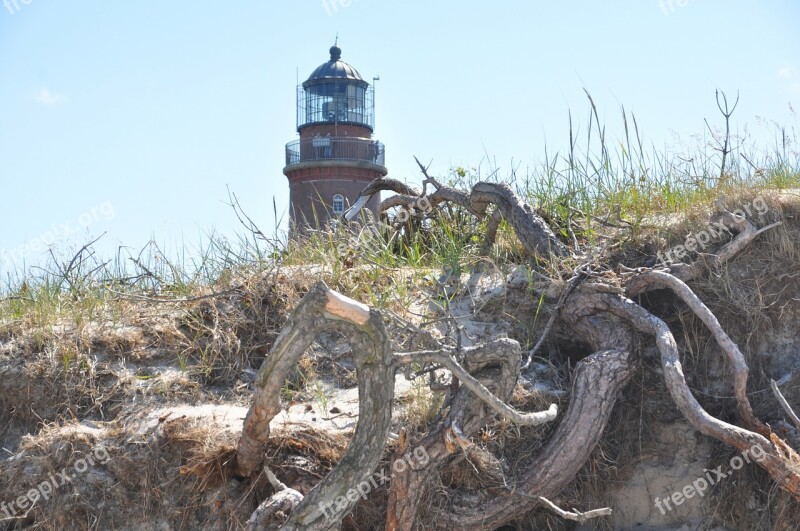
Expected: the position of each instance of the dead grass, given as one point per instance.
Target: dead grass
(102, 362)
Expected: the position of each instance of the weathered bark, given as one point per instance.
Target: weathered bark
(659, 279)
(381, 184)
(491, 231)
(325, 310)
(781, 462)
(532, 231)
(496, 364)
(530, 228)
(597, 381)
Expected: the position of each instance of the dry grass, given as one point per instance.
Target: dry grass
(77, 350)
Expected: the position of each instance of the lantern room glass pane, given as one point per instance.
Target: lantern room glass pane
(335, 102)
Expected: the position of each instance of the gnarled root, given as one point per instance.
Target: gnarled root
(320, 310)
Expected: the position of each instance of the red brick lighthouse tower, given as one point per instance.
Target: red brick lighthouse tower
(335, 156)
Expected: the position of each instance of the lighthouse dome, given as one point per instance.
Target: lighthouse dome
(334, 69)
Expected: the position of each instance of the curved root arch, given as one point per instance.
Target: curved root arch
(325, 310)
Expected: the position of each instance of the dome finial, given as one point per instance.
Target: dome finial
(336, 52)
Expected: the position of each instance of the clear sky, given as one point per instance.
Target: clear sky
(132, 117)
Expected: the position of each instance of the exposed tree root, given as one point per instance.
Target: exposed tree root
(659, 279)
(444, 358)
(532, 231)
(325, 310)
(597, 382)
(274, 510)
(780, 461)
(784, 404)
(497, 365)
(598, 311)
(637, 285)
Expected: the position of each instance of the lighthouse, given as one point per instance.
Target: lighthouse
(335, 156)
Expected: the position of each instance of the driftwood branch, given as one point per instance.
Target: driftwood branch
(659, 279)
(780, 461)
(576, 516)
(784, 404)
(532, 231)
(325, 310)
(445, 359)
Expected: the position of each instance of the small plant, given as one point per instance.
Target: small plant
(67, 357)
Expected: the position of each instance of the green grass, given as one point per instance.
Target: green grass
(622, 179)
(617, 180)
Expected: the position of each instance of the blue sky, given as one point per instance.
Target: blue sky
(131, 118)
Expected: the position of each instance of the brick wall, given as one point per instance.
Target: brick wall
(311, 191)
(313, 184)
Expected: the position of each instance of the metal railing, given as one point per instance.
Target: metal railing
(335, 148)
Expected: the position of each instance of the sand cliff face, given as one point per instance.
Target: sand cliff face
(128, 418)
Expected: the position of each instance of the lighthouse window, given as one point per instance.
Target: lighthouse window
(338, 204)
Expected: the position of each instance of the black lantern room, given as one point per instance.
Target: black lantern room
(335, 93)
